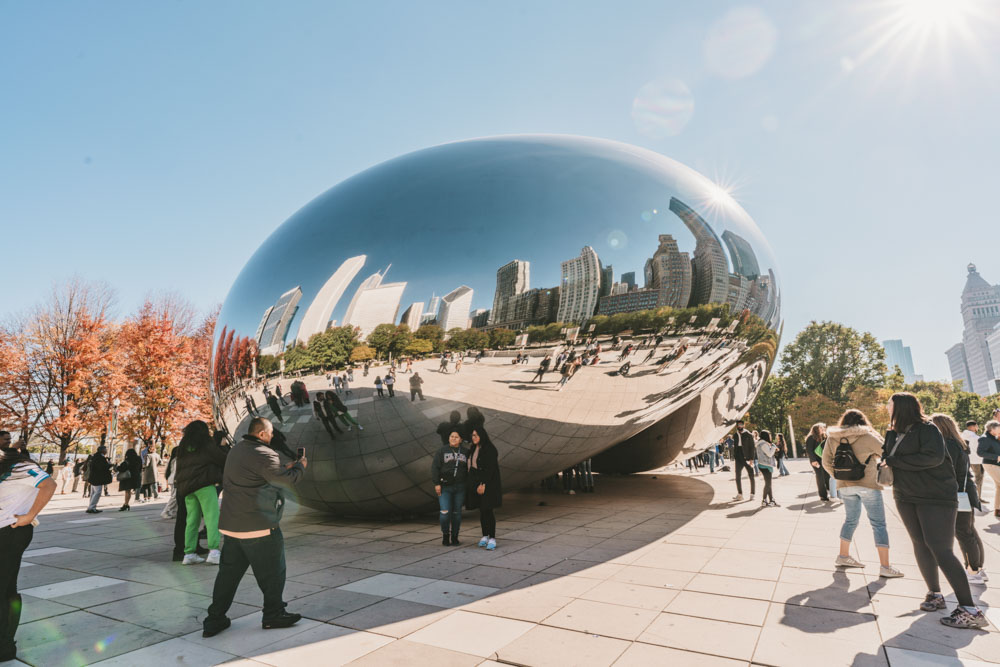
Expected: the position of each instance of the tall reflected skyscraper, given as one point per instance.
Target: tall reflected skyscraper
(374, 303)
(629, 279)
(413, 315)
(670, 273)
(272, 338)
(455, 307)
(260, 327)
(580, 287)
(742, 254)
(959, 366)
(709, 266)
(318, 314)
(607, 280)
(513, 278)
(430, 315)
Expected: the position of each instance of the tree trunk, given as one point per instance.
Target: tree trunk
(64, 443)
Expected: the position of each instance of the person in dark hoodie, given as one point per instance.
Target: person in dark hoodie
(484, 489)
(744, 450)
(926, 494)
(200, 462)
(449, 470)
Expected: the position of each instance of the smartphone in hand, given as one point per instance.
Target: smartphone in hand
(300, 452)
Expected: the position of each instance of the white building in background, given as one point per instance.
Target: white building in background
(980, 315)
(263, 322)
(580, 287)
(374, 303)
(432, 310)
(958, 366)
(512, 279)
(455, 307)
(272, 337)
(318, 314)
(413, 315)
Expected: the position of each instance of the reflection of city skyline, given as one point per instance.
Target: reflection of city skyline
(672, 278)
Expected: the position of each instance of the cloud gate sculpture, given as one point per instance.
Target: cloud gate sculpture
(580, 298)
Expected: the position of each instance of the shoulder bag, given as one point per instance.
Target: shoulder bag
(884, 476)
(964, 504)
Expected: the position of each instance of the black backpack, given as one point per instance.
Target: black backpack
(846, 465)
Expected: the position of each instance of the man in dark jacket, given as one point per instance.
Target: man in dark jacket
(744, 452)
(251, 511)
(100, 474)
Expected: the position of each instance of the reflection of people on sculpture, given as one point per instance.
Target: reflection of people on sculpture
(542, 368)
(378, 386)
(449, 470)
(335, 407)
(473, 419)
(443, 368)
(567, 371)
(390, 380)
(625, 368)
(445, 428)
(251, 407)
(319, 411)
(484, 490)
(272, 403)
(415, 388)
(281, 397)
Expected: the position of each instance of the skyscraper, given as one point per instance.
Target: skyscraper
(958, 366)
(897, 354)
(629, 279)
(709, 265)
(580, 286)
(455, 307)
(272, 338)
(413, 315)
(742, 254)
(321, 309)
(512, 279)
(431, 313)
(670, 273)
(263, 321)
(980, 314)
(374, 303)
(607, 279)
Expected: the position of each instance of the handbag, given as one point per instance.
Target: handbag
(884, 476)
(964, 504)
(124, 476)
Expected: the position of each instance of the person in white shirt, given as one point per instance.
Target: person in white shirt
(24, 491)
(971, 437)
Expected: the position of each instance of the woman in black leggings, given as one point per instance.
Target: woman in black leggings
(926, 495)
(484, 490)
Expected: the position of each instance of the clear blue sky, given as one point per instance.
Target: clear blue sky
(154, 145)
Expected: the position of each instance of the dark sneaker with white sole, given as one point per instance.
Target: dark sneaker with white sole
(961, 618)
(933, 602)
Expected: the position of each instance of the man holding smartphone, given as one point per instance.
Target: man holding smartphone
(252, 503)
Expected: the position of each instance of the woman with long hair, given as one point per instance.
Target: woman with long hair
(766, 463)
(484, 490)
(200, 463)
(926, 494)
(855, 431)
(965, 527)
(779, 442)
(814, 450)
(24, 490)
(129, 477)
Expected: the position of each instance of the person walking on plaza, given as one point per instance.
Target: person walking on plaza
(251, 408)
(744, 449)
(129, 474)
(449, 469)
(320, 413)
(389, 381)
(814, 449)
(65, 475)
(85, 474)
(926, 494)
(988, 449)
(378, 386)
(77, 472)
(443, 368)
(779, 442)
(279, 393)
(100, 474)
(484, 491)
(170, 509)
(149, 465)
(543, 367)
(766, 463)
(415, 385)
(25, 489)
(865, 445)
(254, 482)
(971, 437)
(200, 463)
(335, 409)
(272, 403)
(965, 522)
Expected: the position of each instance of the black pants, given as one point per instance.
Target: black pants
(740, 464)
(13, 542)
(932, 531)
(266, 555)
(766, 494)
(487, 520)
(822, 482)
(968, 540)
(416, 392)
(329, 429)
(392, 392)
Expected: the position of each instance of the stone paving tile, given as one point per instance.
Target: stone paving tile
(330, 603)
(545, 646)
(600, 618)
(759, 589)
(320, 645)
(35, 609)
(386, 584)
(630, 595)
(643, 655)
(245, 636)
(393, 617)
(729, 640)
(405, 653)
(719, 607)
(173, 652)
(841, 638)
(171, 612)
(80, 638)
(475, 634)
(447, 594)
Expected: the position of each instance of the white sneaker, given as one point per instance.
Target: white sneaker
(491, 545)
(360, 427)
(483, 541)
(848, 561)
(982, 573)
(889, 572)
(192, 559)
(976, 579)
(738, 497)
(214, 556)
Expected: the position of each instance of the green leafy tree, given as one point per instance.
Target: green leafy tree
(810, 408)
(332, 348)
(770, 410)
(381, 339)
(419, 346)
(401, 337)
(500, 338)
(831, 359)
(267, 364)
(298, 358)
(362, 353)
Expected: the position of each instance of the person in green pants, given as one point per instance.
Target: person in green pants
(200, 462)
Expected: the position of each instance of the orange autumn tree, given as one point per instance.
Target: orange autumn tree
(24, 397)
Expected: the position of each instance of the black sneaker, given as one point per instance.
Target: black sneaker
(210, 629)
(933, 602)
(454, 540)
(445, 540)
(282, 620)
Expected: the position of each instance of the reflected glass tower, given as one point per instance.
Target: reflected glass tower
(513, 279)
(455, 307)
(374, 303)
(709, 267)
(670, 273)
(581, 285)
(980, 315)
(320, 311)
(742, 255)
(279, 317)
(413, 315)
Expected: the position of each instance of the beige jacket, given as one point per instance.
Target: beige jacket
(865, 442)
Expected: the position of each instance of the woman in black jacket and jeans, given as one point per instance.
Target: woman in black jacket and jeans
(926, 495)
(484, 489)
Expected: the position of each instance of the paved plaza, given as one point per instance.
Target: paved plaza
(651, 569)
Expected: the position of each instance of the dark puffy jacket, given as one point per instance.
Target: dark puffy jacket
(100, 470)
(199, 468)
(450, 466)
(746, 447)
(989, 449)
(487, 472)
(923, 472)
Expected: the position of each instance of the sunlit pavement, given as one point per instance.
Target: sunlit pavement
(651, 569)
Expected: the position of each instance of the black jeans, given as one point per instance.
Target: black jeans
(13, 542)
(766, 494)
(822, 482)
(266, 555)
(932, 531)
(740, 464)
(968, 540)
(487, 519)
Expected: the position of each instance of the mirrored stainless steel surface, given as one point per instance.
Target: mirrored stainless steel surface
(604, 301)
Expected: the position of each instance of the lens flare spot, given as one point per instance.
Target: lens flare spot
(617, 239)
(740, 43)
(662, 108)
(646, 216)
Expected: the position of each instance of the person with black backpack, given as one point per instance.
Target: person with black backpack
(851, 456)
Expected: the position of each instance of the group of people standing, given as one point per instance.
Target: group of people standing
(757, 451)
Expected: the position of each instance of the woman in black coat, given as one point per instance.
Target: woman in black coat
(133, 480)
(484, 488)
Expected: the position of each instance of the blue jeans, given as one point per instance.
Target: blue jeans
(451, 499)
(856, 496)
(781, 466)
